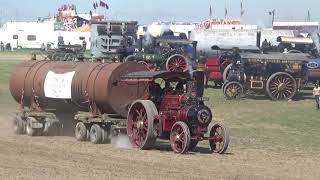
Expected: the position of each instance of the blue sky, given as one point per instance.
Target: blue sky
(145, 11)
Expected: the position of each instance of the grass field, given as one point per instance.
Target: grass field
(290, 130)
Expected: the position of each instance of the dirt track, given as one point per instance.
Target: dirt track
(23, 157)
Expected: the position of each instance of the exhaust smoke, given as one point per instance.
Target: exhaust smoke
(316, 40)
(121, 141)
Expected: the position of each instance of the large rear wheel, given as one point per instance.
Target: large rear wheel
(225, 74)
(281, 86)
(177, 63)
(140, 125)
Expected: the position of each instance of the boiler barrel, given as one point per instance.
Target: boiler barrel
(71, 85)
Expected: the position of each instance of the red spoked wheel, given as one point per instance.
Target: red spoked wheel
(140, 128)
(180, 137)
(177, 63)
(219, 138)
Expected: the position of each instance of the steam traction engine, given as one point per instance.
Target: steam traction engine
(278, 75)
(166, 54)
(106, 99)
(175, 112)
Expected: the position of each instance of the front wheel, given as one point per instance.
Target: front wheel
(180, 137)
(219, 138)
(233, 90)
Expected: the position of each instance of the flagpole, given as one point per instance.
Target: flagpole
(225, 9)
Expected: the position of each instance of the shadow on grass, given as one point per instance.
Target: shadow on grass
(164, 146)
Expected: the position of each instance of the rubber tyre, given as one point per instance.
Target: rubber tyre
(80, 132)
(96, 134)
(19, 125)
(32, 131)
(53, 127)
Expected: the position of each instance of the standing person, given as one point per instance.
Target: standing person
(316, 94)
(84, 45)
(264, 46)
(2, 46)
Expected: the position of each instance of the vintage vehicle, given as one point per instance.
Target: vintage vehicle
(64, 52)
(219, 59)
(314, 69)
(105, 99)
(279, 75)
(113, 39)
(167, 54)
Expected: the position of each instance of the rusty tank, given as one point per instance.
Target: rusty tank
(76, 86)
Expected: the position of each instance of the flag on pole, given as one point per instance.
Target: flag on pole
(225, 12)
(104, 4)
(94, 6)
(242, 10)
(210, 11)
(225, 9)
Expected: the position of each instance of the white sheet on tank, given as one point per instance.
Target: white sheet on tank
(58, 85)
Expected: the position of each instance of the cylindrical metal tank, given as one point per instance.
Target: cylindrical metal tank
(71, 85)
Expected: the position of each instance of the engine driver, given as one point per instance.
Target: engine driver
(155, 92)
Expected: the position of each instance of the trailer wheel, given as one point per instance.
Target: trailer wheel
(96, 134)
(281, 86)
(80, 131)
(233, 90)
(219, 138)
(140, 125)
(52, 127)
(180, 137)
(177, 63)
(30, 130)
(19, 125)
